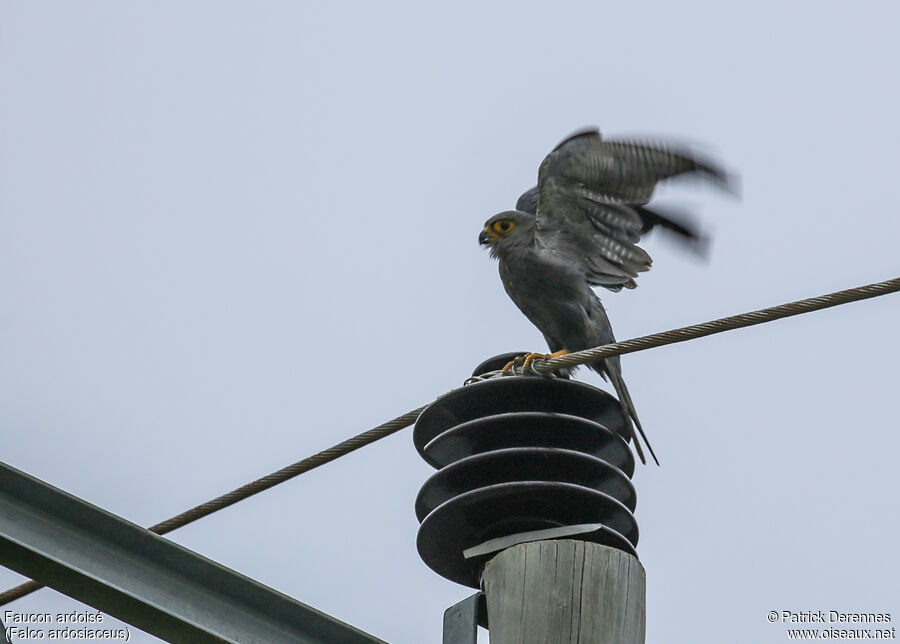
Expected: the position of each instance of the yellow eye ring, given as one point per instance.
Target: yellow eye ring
(503, 226)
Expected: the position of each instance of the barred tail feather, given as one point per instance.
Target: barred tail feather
(614, 372)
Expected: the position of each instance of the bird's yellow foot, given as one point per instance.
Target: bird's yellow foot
(509, 369)
(528, 366)
(526, 362)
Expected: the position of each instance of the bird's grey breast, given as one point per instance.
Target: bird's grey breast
(551, 294)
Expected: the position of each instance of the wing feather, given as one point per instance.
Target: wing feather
(590, 197)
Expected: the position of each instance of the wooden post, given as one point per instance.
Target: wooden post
(565, 592)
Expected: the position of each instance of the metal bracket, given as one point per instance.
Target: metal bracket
(461, 621)
(596, 532)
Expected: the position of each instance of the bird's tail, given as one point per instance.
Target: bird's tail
(613, 370)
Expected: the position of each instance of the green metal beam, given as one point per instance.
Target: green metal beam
(144, 579)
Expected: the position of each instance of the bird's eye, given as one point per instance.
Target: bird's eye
(503, 226)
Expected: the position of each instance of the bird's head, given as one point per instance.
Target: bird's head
(506, 230)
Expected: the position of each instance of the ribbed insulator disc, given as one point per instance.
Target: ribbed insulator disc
(524, 464)
(511, 508)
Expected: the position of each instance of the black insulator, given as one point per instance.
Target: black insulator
(518, 455)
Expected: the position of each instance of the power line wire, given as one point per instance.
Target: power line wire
(541, 366)
(719, 326)
(254, 487)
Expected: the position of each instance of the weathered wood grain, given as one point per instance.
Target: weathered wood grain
(565, 592)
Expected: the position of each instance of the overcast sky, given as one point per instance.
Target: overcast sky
(234, 234)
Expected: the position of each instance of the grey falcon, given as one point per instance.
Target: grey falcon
(578, 229)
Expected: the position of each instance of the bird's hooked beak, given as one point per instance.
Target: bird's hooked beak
(487, 237)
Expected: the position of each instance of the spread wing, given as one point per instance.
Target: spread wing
(590, 198)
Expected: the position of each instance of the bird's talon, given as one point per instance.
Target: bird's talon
(509, 369)
(528, 364)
